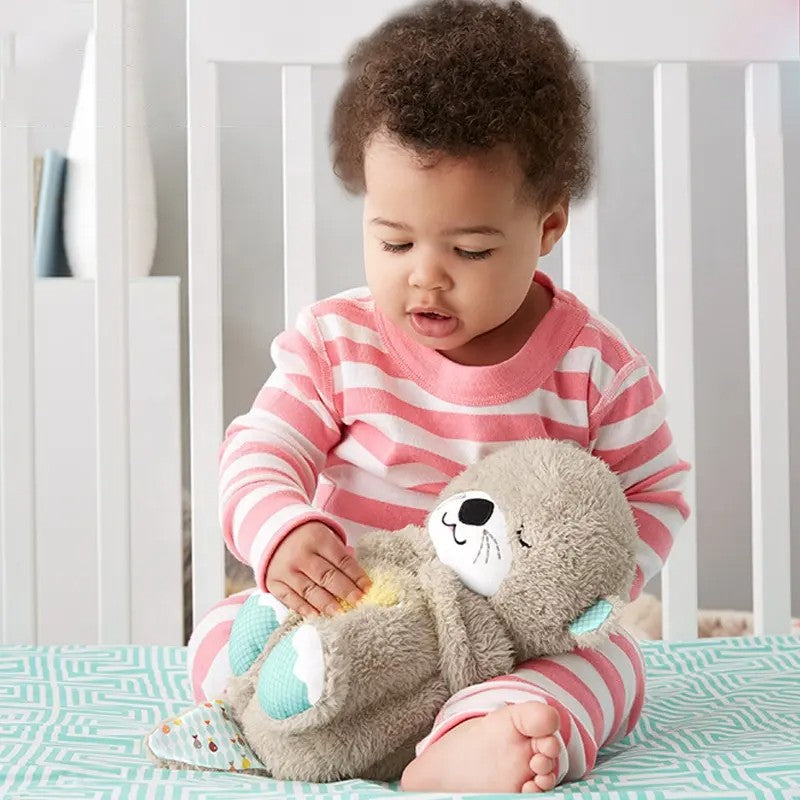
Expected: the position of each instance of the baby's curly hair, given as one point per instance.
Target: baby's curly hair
(455, 77)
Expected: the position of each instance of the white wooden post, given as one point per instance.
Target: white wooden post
(111, 331)
(205, 320)
(675, 325)
(299, 252)
(769, 385)
(18, 600)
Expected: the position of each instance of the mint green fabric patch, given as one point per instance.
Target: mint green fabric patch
(252, 626)
(280, 692)
(592, 619)
(204, 736)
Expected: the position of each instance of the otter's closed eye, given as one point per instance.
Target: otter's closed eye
(521, 539)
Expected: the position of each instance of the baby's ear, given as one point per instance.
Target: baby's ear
(598, 622)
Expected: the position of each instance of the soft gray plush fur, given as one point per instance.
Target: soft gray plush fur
(565, 532)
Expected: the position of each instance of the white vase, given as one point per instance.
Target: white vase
(80, 239)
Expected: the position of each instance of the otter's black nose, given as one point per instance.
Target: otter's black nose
(475, 511)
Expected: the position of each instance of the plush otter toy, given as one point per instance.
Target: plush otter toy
(529, 552)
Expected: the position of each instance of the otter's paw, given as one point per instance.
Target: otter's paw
(258, 617)
(293, 675)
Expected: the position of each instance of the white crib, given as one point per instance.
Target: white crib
(667, 37)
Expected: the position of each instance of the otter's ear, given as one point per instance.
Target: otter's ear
(597, 622)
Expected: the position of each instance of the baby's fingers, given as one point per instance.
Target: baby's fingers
(291, 599)
(325, 574)
(341, 557)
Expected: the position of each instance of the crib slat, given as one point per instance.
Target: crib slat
(18, 607)
(322, 32)
(299, 256)
(769, 391)
(111, 334)
(581, 247)
(581, 252)
(205, 329)
(675, 325)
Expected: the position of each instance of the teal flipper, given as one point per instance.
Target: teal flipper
(258, 617)
(292, 676)
(592, 619)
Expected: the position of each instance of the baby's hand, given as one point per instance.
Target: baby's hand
(311, 568)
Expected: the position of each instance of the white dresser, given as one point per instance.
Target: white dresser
(66, 544)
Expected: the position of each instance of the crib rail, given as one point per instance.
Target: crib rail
(668, 37)
(17, 508)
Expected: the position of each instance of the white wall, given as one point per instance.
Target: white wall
(252, 283)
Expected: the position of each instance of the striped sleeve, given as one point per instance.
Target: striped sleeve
(629, 431)
(271, 457)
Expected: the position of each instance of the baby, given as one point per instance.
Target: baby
(466, 127)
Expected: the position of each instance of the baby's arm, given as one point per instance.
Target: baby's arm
(629, 431)
(269, 463)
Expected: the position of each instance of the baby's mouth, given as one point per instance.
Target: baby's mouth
(433, 324)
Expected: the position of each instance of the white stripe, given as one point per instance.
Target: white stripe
(463, 451)
(360, 375)
(218, 675)
(359, 482)
(268, 530)
(230, 490)
(622, 663)
(668, 516)
(588, 360)
(252, 436)
(217, 615)
(400, 475)
(581, 668)
(632, 429)
(574, 766)
(636, 374)
(554, 690)
(609, 330)
(289, 435)
(249, 501)
(648, 560)
(354, 530)
(558, 409)
(665, 459)
(334, 327)
(265, 462)
(284, 382)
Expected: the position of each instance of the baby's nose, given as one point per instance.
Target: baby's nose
(475, 511)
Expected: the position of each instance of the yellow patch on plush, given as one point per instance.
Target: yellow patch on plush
(383, 592)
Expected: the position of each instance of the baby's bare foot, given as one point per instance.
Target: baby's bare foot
(512, 749)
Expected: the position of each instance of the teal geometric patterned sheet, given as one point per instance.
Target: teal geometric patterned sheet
(721, 720)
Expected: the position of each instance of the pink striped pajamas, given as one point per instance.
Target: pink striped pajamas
(360, 427)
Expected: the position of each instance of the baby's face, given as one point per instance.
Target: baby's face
(454, 237)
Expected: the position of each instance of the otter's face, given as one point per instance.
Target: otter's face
(470, 535)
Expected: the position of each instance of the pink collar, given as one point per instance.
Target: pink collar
(494, 384)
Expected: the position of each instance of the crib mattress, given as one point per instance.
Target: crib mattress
(722, 719)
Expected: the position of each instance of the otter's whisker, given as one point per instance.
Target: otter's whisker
(496, 545)
(483, 539)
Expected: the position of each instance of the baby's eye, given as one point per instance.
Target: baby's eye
(474, 254)
(395, 248)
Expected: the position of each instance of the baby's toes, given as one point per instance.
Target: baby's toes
(542, 765)
(545, 782)
(547, 746)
